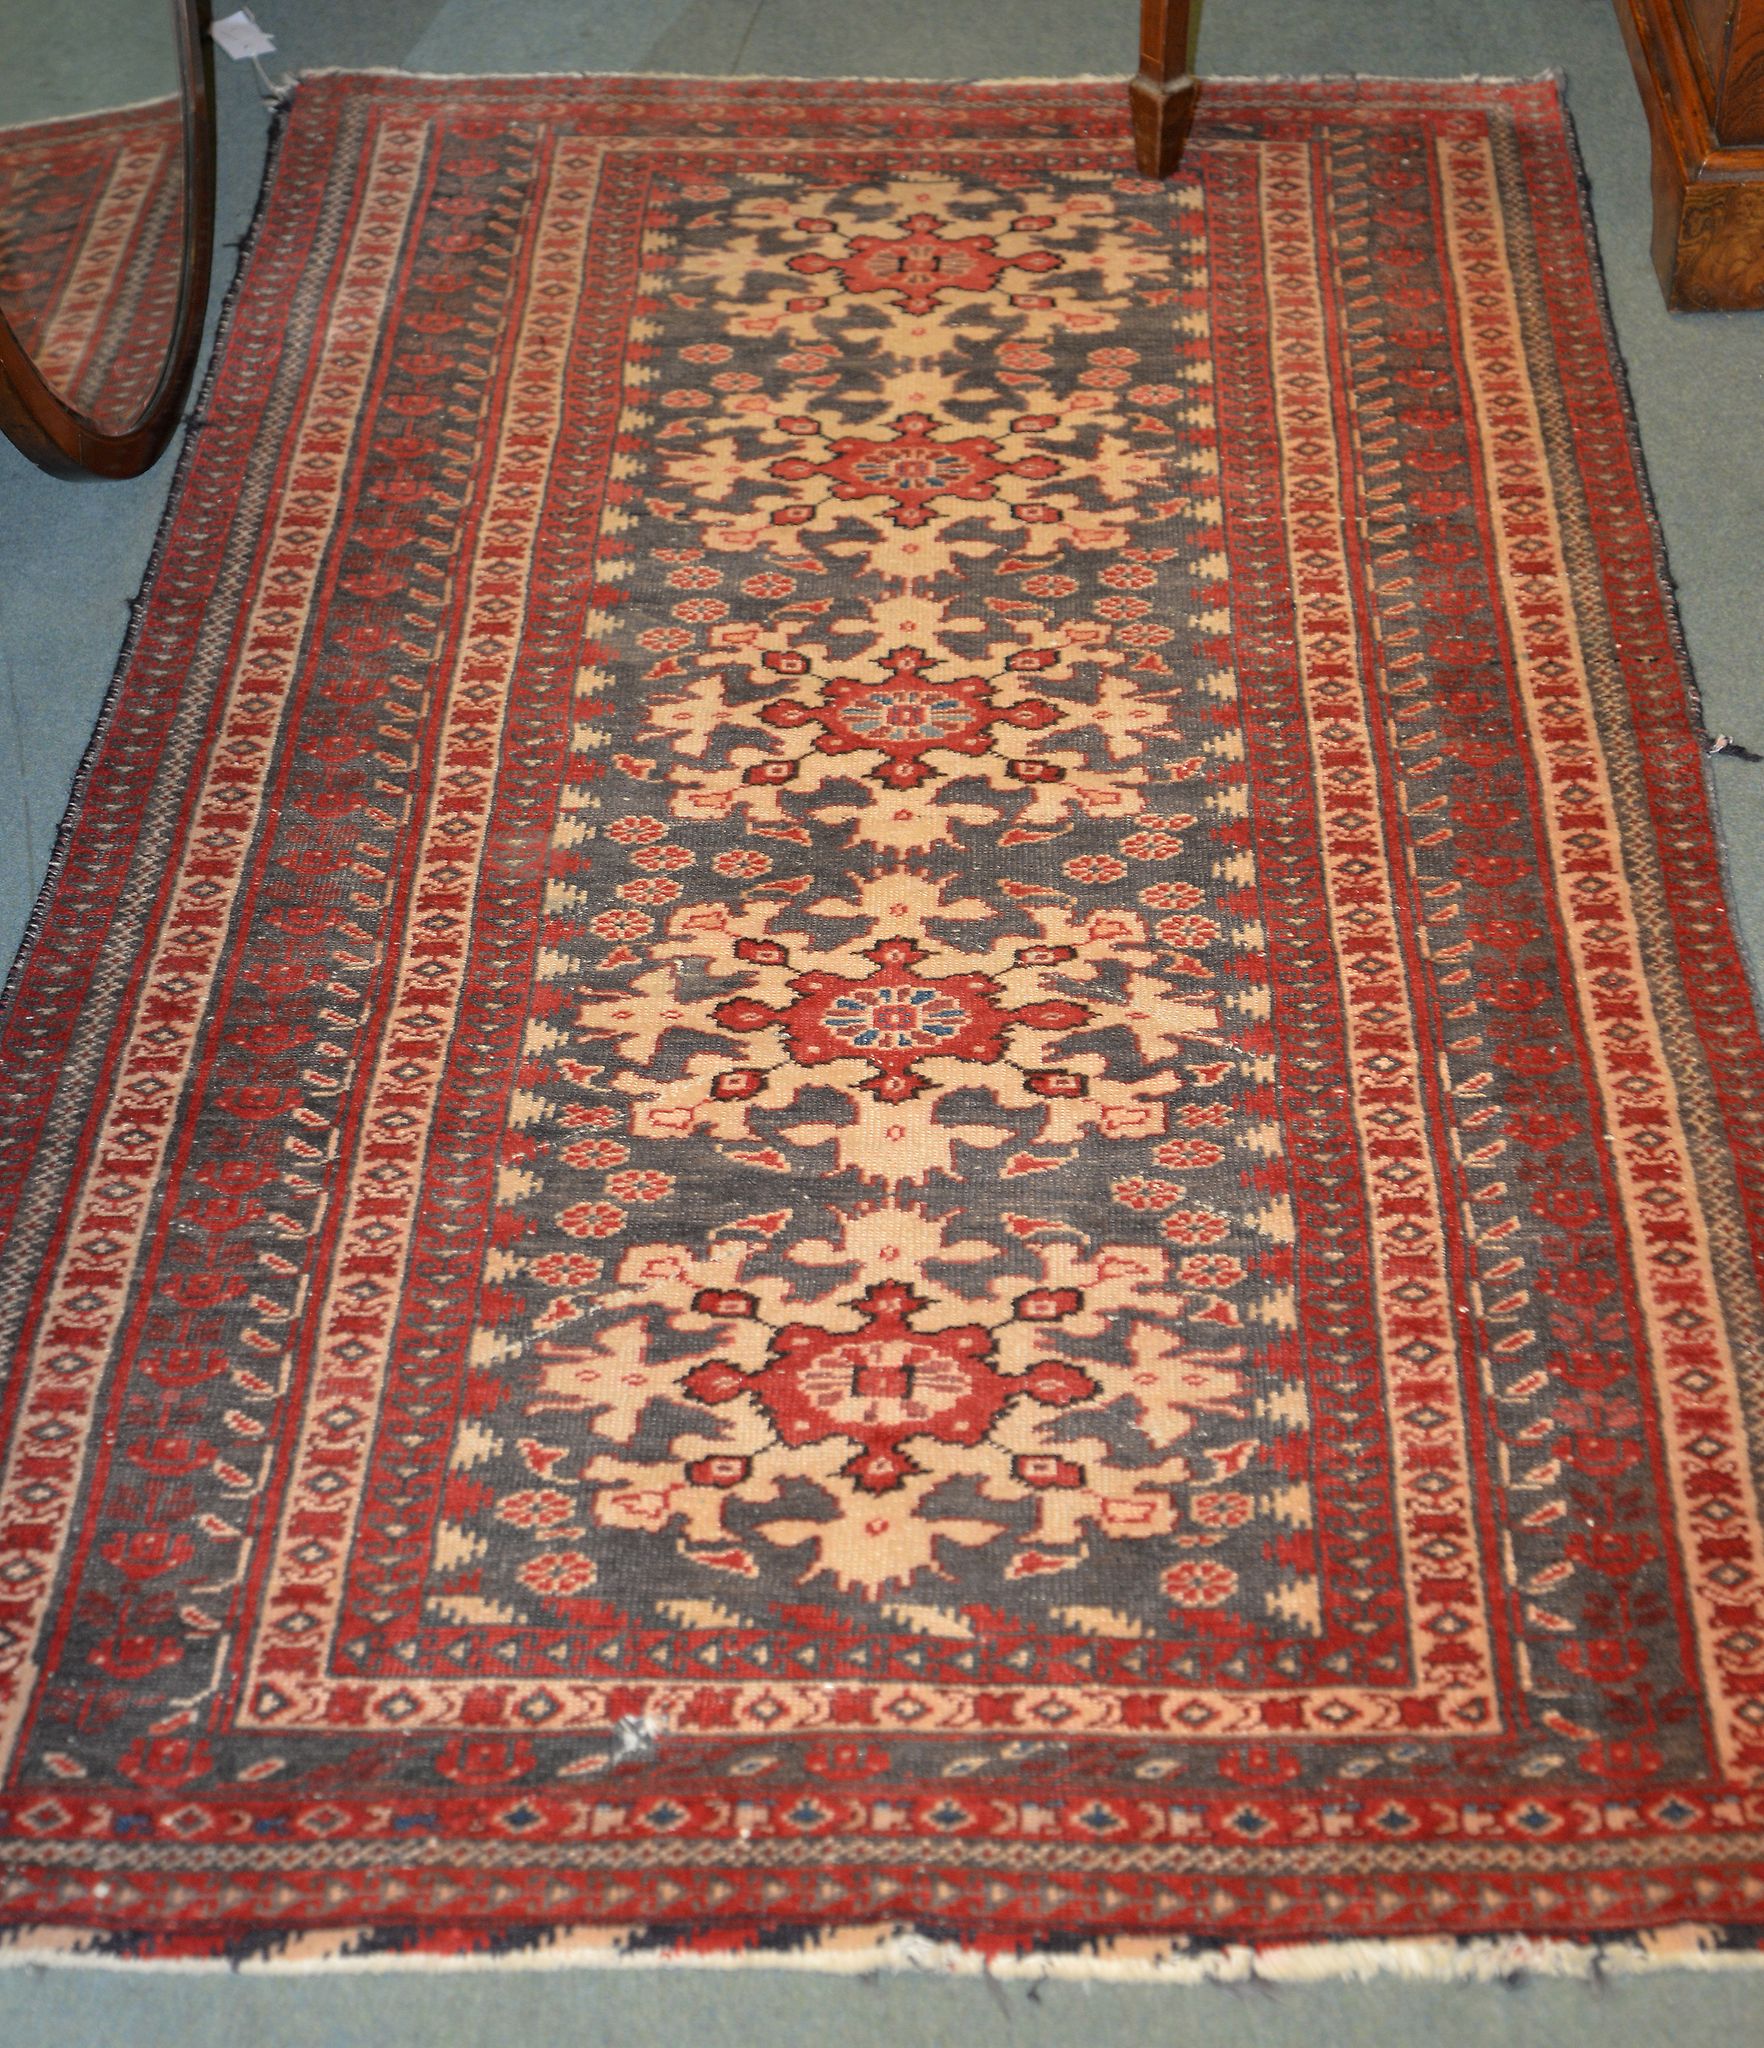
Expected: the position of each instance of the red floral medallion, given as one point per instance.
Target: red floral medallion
(918, 266)
(913, 467)
(884, 1386)
(893, 1019)
(907, 717)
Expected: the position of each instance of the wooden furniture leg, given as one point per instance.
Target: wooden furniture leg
(1700, 68)
(1163, 94)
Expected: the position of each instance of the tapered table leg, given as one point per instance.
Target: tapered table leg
(1163, 94)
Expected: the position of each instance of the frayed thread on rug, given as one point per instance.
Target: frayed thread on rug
(1729, 749)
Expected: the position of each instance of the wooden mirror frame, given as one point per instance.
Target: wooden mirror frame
(45, 426)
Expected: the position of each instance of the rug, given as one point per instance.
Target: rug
(885, 1079)
(91, 240)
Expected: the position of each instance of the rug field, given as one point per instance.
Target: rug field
(886, 1075)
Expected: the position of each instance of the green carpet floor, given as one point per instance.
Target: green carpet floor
(74, 555)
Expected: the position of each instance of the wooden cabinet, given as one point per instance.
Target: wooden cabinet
(1700, 66)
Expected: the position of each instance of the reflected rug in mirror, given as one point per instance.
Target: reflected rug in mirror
(91, 236)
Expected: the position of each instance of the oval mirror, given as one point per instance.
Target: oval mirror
(106, 226)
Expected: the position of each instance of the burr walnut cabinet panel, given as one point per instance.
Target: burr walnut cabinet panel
(1700, 66)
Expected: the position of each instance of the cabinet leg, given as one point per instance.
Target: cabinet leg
(1708, 242)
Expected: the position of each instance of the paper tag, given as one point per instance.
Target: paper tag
(240, 36)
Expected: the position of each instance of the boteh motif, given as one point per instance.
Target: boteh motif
(937, 1111)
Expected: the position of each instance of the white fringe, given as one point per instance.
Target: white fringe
(864, 1951)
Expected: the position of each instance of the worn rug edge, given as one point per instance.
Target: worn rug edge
(864, 1951)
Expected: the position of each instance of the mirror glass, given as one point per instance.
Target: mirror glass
(92, 197)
